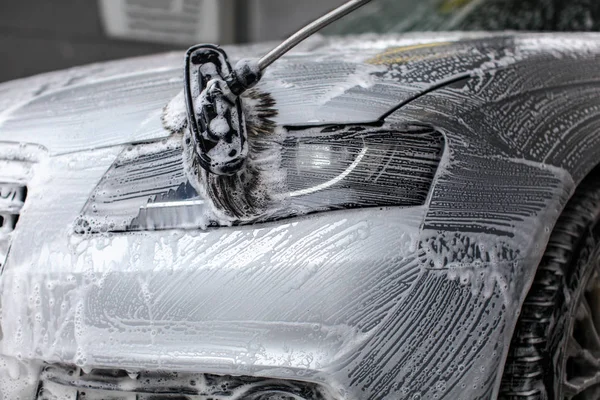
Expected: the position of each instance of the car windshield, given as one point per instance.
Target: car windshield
(387, 16)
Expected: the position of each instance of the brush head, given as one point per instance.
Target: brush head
(249, 189)
(256, 189)
(214, 112)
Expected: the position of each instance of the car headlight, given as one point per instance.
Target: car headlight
(316, 169)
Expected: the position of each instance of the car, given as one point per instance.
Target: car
(417, 218)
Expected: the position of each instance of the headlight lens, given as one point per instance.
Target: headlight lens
(321, 169)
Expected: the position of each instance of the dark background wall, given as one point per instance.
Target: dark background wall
(38, 36)
(44, 35)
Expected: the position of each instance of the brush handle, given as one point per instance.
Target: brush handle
(248, 72)
(308, 31)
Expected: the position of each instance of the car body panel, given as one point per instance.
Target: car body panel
(371, 303)
(77, 109)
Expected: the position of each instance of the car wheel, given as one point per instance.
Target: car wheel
(555, 350)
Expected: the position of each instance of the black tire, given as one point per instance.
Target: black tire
(539, 363)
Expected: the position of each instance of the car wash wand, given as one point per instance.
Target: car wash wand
(212, 95)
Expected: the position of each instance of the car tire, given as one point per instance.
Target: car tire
(555, 349)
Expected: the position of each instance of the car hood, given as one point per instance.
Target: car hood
(324, 81)
(376, 302)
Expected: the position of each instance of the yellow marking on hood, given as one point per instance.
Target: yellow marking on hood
(404, 54)
(450, 6)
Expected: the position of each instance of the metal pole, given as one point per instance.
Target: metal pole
(309, 30)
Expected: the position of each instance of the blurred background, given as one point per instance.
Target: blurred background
(38, 36)
(44, 35)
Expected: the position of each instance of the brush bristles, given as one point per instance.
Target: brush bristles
(251, 192)
(260, 112)
(174, 115)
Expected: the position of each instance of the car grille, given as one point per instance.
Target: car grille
(72, 383)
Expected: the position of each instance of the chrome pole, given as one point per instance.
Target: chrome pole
(308, 31)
